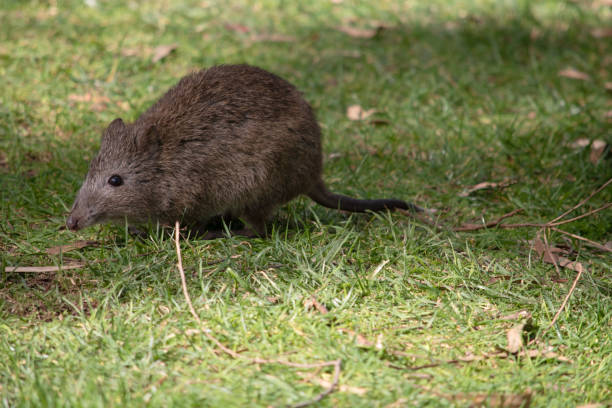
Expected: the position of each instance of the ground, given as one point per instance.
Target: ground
(458, 93)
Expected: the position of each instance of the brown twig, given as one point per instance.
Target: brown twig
(554, 224)
(486, 356)
(554, 320)
(337, 365)
(588, 241)
(582, 202)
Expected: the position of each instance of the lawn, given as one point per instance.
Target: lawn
(350, 310)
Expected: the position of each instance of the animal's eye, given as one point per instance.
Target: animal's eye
(115, 180)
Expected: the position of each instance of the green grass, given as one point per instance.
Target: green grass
(470, 92)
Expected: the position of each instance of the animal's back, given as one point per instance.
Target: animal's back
(234, 136)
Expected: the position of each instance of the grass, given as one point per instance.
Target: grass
(465, 92)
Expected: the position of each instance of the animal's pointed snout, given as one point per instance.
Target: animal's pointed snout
(72, 223)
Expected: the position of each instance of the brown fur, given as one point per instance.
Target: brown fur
(230, 140)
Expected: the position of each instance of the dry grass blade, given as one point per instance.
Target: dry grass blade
(38, 269)
(70, 247)
(486, 185)
(188, 299)
(378, 269)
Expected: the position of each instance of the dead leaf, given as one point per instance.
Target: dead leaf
(502, 400)
(236, 27)
(312, 302)
(264, 37)
(520, 314)
(356, 112)
(324, 383)
(580, 143)
(515, 338)
(574, 74)
(597, 148)
(485, 185)
(608, 86)
(162, 51)
(36, 269)
(546, 354)
(601, 32)
(70, 247)
(495, 279)
(359, 32)
(360, 339)
(98, 102)
(551, 256)
(568, 264)
(540, 247)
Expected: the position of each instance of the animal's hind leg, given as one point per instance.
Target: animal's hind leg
(217, 227)
(254, 225)
(255, 219)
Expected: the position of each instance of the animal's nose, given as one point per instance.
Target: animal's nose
(72, 223)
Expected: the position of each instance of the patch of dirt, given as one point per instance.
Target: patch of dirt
(41, 296)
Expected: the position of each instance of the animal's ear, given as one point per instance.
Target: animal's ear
(116, 127)
(149, 139)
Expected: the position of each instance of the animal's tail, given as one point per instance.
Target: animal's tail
(321, 195)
